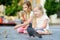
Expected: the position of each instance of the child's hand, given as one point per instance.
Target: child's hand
(17, 26)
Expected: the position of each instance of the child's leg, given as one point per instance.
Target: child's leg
(25, 31)
(20, 30)
(43, 32)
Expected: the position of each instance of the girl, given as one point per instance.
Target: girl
(41, 21)
(25, 15)
(40, 24)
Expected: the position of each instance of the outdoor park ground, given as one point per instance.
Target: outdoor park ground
(13, 35)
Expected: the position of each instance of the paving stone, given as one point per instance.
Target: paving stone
(13, 35)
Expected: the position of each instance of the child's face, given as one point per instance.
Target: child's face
(37, 12)
(25, 7)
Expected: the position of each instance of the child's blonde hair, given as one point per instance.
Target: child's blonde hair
(34, 18)
(40, 8)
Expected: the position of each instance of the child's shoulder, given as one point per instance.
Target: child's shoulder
(45, 17)
(31, 13)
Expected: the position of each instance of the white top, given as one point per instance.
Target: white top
(31, 14)
(40, 22)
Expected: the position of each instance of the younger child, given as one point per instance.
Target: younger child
(41, 21)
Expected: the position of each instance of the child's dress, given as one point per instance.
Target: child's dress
(40, 23)
(23, 29)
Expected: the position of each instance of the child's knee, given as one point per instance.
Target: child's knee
(20, 30)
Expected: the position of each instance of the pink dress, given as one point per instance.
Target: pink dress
(23, 29)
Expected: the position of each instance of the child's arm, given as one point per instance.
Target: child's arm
(44, 24)
(24, 24)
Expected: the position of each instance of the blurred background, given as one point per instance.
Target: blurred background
(10, 8)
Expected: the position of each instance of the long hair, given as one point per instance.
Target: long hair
(28, 3)
(34, 17)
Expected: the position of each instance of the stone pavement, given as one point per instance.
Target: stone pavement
(13, 35)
